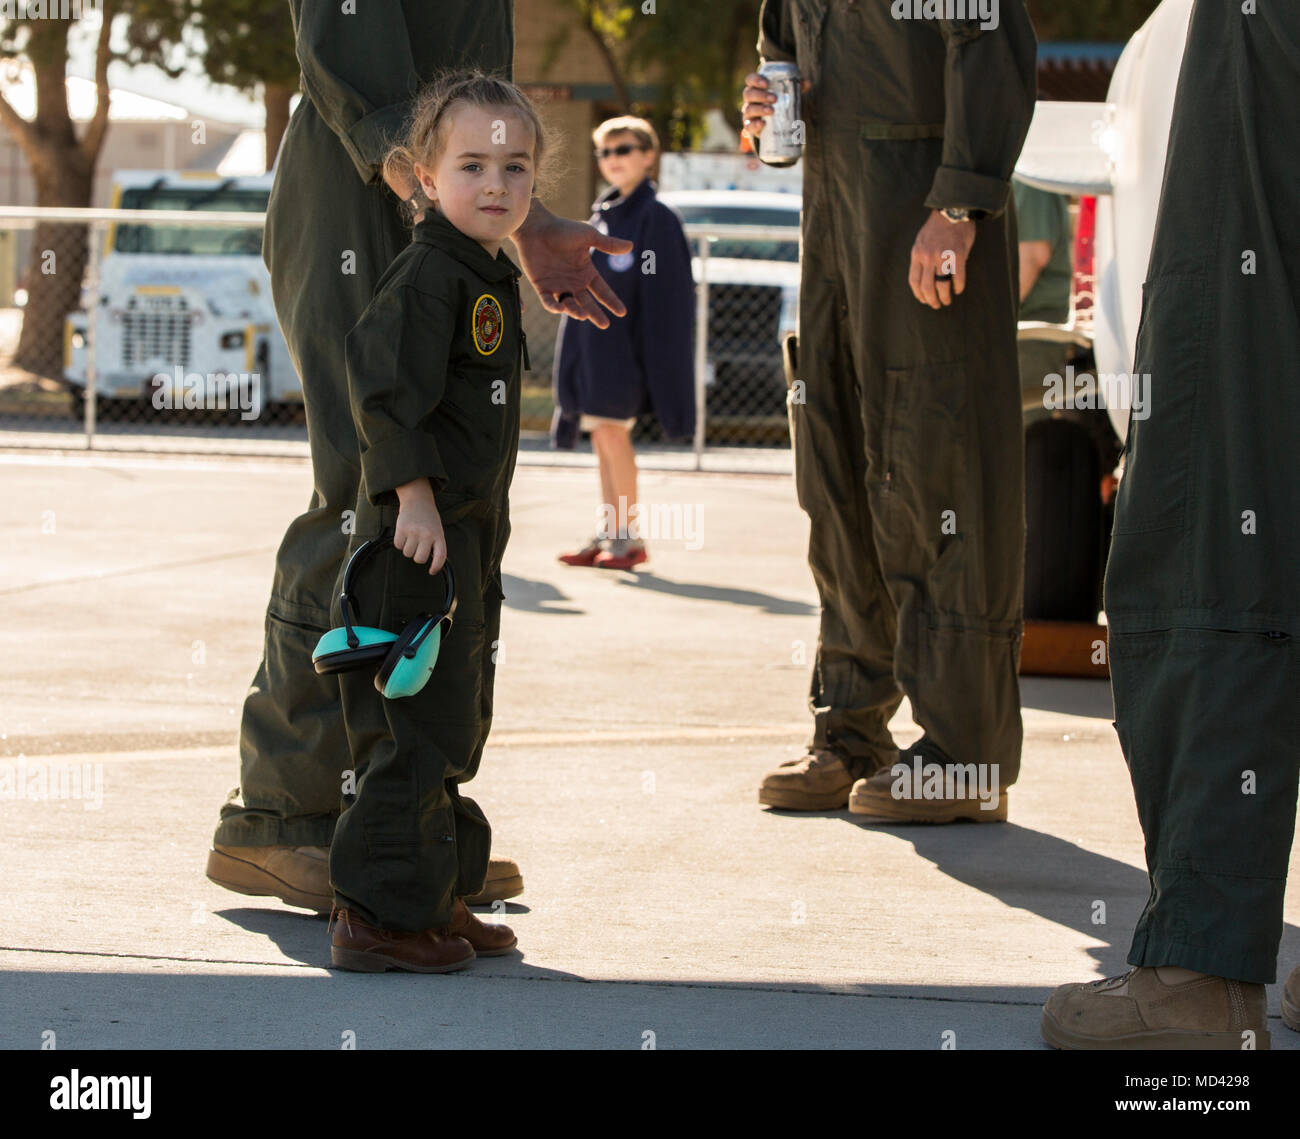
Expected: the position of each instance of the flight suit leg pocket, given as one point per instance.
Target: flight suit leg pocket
(921, 456)
(1164, 423)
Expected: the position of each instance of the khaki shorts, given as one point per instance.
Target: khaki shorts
(590, 422)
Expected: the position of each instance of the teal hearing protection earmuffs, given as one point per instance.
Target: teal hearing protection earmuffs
(405, 659)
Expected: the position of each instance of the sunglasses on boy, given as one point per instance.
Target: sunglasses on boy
(622, 150)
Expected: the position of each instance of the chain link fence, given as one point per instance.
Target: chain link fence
(166, 316)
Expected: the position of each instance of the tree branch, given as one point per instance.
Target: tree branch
(94, 137)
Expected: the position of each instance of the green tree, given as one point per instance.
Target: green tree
(695, 53)
(244, 43)
(63, 167)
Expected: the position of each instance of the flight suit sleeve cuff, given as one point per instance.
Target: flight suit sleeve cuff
(370, 139)
(965, 189)
(772, 30)
(770, 52)
(399, 459)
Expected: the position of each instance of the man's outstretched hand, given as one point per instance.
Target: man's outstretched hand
(555, 253)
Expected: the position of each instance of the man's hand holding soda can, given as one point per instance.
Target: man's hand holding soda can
(771, 91)
(758, 100)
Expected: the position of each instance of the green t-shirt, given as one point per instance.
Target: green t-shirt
(1041, 216)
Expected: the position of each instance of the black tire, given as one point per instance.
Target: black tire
(1063, 523)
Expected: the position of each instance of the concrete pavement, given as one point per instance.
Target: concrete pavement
(635, 715)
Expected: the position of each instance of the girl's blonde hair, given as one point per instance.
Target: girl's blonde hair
(429, 128)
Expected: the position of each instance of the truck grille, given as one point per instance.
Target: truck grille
(154, 327)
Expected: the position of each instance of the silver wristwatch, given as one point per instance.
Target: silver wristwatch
(955, 214)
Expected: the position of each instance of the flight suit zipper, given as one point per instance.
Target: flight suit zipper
(523, 336)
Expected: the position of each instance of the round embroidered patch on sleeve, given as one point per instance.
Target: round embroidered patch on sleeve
(487, 324)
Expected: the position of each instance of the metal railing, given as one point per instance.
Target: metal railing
(51, 353)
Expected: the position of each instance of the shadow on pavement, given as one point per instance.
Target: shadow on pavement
(1048, 876)
(303, 936)
(508, 1006)
(1074, 697)
(528, 596)
(766, 602)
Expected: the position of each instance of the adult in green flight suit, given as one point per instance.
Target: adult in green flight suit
(1203, 583)
(333, 227)
(904, 416)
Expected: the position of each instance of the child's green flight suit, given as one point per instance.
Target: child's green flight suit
(434, 378)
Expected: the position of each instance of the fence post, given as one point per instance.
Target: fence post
(701, 349)
(93, 237)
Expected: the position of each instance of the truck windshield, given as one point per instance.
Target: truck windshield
(198, 241)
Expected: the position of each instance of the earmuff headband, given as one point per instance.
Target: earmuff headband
(364, 553)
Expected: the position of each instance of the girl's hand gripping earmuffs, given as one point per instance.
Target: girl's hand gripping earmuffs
(405, 660)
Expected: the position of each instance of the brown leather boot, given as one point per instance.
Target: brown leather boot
(1291, 1000)
(817, 782)
(503, 881)
(488, 938)
(364, 948)
(1139, 1010)
(299, 875)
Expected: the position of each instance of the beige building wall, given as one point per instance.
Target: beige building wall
(128, 145)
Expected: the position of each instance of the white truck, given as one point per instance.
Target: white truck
(181, 310)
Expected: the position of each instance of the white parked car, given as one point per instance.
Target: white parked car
(753, 300)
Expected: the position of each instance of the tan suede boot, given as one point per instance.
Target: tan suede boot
(887, 798)
(299, 875)
(817, 782)
(1291, 1000)
(503, 881)
(1140, 1010)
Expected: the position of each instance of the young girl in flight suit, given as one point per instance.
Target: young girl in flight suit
(434, 382)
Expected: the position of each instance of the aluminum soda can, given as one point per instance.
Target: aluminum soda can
(781, 143)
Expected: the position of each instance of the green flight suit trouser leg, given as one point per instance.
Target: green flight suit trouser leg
(408, 842)
(1203, 580)
(292, 744)
(332, 229)
(909, 462)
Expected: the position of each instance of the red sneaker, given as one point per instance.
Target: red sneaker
(623, 554)
(587, 555)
